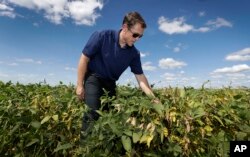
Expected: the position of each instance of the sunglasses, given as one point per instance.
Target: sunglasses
(135, 35)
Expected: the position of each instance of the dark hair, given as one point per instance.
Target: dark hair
(132, 18)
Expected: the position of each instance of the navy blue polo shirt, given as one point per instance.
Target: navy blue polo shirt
(107, 59)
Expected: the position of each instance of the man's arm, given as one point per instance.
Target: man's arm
(81, 71)
(143, 83)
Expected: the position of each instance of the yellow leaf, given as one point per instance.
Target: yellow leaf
(133, 121)
(156, 121)
(149, 139)
(55, 117)
(143, 138)
(45, 119)
(146, 139)
(172, 116)
(208, 128)
(165, 132)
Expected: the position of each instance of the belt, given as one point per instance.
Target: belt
(91, 73)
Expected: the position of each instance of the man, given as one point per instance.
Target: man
(104, 58)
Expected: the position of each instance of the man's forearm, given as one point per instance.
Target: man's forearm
(143, 83)
(147, 90)
(82, 69)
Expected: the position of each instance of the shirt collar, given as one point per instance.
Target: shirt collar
(117, 35)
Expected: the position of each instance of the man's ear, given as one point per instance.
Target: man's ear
(125, 27)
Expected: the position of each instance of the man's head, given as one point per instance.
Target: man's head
(133, 26)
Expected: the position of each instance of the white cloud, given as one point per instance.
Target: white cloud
(233, 69)
(242, 55)
(51, 74)
(28, 60)
(170, 63)
(229, 77)
(69, 69)
(83, 12)
(6, 10)
(21, 60)
(169, 76)
(236, 76)
(216, 76)
(202, 29)
(177, 49)
(178, 79)
(175, 26)
(179, 25)
(148, 66)
(28, 78)
(3, 75)
(5, 7)
(13, 64)
(219, 22)
(202, 13)
(38, 62)
(144, 54)
(54, 10)
(36, 24)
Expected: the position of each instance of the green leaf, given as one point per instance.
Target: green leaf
(35, 124)
(219, 120)
(14, 128)
(245, 128)
(241, 136)
(136, 136)
(33, 141)
(177, 148)
(126, 142)
(33, 111)
(128, 132)
(99, 112)
(199, 112)
(182, 93)
(228, 121)
(158, 108)
(162, 136)
(237, 97)
(114, 129)
(63, 147)
(199, 122)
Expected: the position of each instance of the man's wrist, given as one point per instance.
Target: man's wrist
(80, 84)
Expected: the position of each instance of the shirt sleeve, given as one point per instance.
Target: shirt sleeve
(135, 65)
(93, 45)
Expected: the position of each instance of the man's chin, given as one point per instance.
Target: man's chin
(130, 44)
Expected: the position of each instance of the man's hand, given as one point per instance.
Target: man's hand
(80, 92)
(156, 101)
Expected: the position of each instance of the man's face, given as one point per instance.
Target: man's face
(133, 34)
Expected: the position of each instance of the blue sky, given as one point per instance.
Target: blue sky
(186, 43)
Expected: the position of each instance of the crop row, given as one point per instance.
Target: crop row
(41, 120)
